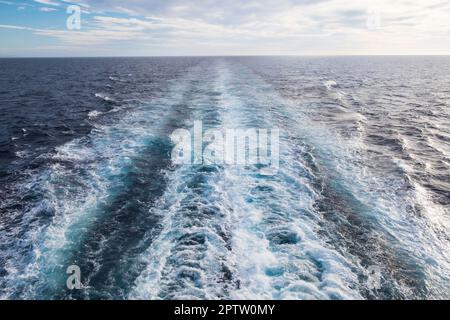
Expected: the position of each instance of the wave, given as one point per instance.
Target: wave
(104, 97)
(94, 114)
(330, 84)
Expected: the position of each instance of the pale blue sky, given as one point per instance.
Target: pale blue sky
(212, 27)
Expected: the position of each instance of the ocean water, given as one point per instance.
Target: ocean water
(359, 208)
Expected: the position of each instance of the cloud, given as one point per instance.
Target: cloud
(319, 17)
(289, 26)
(47, 9)
(48, 2)
(17, 4)
(77, 2)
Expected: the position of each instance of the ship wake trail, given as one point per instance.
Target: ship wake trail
(279, 252)
(345, 197)
(231, 232)
(192, 256)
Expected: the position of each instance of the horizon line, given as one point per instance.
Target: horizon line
(231, 55)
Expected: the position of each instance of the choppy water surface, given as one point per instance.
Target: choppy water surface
(86, 179)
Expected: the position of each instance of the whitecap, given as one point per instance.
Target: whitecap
(104, 97)
(93, 114)
(329, 84)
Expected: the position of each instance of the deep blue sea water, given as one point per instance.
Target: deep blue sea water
(86, 179)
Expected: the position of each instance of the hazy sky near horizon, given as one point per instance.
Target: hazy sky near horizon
(212, 27)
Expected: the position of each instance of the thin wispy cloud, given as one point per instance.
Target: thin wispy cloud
(48, 2)
(47, 9)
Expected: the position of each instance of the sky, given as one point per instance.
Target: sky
(48, 28)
